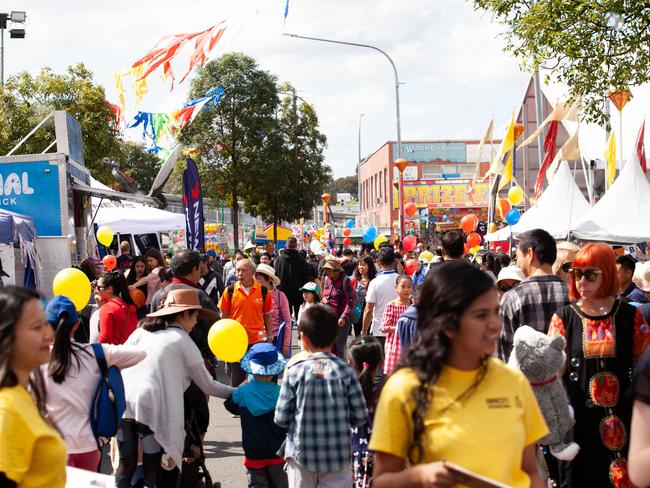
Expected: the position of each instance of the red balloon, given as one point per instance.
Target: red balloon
(410, 209)
(346, 232)
(109, 262)
(466, 247)
(473, 240)
(409, 243)
(347, 241)
(411, 266)
(469, 223)
(503, 207)
(138, 297)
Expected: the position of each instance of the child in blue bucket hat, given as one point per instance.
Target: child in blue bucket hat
(255, 403)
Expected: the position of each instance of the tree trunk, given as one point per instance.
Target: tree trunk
(275, 232)
(234, 212)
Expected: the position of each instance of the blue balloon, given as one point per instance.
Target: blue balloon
(369, 234)
(513, 216)
(349, 223)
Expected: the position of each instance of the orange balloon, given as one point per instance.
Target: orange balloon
(109, 262)
(138, 297)
(469, 223)
(346, 232)
(410, 209)
(473, 240)
(503, 207)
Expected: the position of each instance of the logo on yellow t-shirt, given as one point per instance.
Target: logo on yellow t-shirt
(499, 402)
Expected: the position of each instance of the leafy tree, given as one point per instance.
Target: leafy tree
(593, 46)
(289, 183)
(25, 100)
(232, 140)
(138, 165)
(346, 184)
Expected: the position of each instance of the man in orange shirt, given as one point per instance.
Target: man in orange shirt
(250, 304)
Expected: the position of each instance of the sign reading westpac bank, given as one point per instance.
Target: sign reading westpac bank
(426, 152)
(32, 188)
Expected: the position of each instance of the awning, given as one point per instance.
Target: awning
(117, 195)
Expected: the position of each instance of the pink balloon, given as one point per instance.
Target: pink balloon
(409, 243)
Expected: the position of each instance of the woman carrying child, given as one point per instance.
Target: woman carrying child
(392, 313)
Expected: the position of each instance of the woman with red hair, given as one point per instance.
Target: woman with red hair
(604, 338)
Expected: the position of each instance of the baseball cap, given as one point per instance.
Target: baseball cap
(310, 286)
(61, 306)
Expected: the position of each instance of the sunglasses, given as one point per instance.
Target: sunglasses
(590, 274)
(505, 288)
(566, 266)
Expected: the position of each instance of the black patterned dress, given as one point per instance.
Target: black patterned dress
(601, 351)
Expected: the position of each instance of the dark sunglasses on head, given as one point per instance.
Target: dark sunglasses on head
(566, 266)
(591, 274)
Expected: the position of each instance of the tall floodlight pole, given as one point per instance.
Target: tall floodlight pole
(17, 31)
(397, 112)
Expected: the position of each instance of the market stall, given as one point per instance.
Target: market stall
(17, 249)
(621, 215)
(560, 206)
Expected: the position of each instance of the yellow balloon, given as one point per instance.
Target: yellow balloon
(379, 240)
(228, 340)
(74, 284)
(474, 250)
(426, 256)
(515, 195)
(105, 235)
(492, 227)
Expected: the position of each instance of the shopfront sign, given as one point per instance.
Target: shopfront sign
(425, 152)
(32, 188)
(446, 195)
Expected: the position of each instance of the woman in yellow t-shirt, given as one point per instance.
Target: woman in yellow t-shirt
(450, 401)
(32, 453)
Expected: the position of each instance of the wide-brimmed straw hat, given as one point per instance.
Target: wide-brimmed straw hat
(267, 270)
(641, 276)
(263, 359)
(180, 300)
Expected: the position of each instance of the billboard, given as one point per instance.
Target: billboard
(445, 194)
(32, 188)
(425, 152)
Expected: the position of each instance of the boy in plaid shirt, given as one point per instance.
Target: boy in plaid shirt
(320, 401)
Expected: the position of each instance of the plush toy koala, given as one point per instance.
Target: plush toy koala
(541, 358)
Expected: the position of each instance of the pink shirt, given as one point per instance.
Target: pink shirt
(68, 403)
(153, 284)
(281, 313)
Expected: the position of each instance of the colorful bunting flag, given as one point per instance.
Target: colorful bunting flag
(640, 148)
(549, 147)
(610, 158)
(286, 11)
(168, 47)
(507, 145)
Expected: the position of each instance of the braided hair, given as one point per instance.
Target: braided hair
(449, 289)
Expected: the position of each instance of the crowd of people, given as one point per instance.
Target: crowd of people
(394, 379)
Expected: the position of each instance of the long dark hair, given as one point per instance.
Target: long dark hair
(366, 354)
(117, 282)
(449, 289)
(154, 324)
(372, 270)
(152, 252)
(132, 274)
(64, 350)
(13, 300)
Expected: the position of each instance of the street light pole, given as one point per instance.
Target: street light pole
(16, 32)
(359, 165)
(397, 111)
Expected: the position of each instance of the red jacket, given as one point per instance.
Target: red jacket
(117, 321)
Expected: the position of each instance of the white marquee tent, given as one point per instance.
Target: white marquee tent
(139, 220)
(559, 207)
(623, 214)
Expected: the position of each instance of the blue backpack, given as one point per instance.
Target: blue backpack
(109, 402)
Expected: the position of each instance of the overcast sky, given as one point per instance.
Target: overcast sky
(455, 75)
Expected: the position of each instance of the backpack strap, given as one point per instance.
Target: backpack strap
(100, 358)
